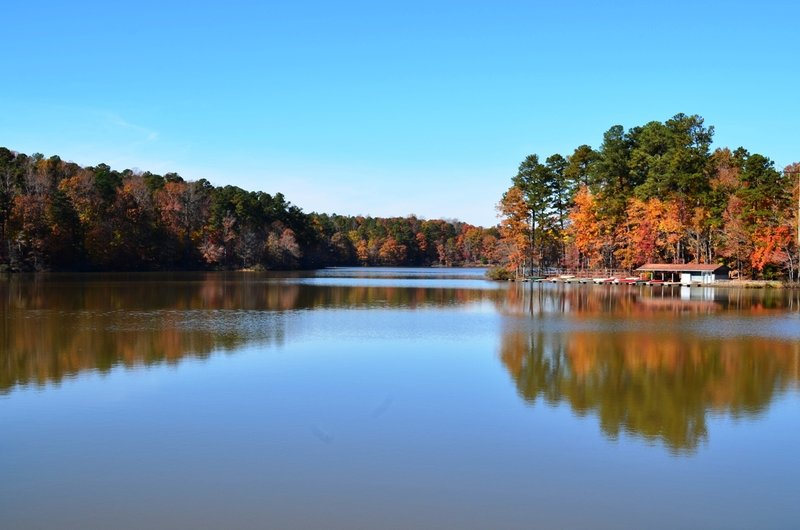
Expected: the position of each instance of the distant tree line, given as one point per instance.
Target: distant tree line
(654, 193)
(57, 215)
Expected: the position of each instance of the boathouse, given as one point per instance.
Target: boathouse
(686, 273)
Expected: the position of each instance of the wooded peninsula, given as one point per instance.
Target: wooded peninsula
(653, 193)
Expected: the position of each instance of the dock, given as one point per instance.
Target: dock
(591, 277)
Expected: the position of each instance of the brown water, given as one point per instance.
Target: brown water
(394, 398)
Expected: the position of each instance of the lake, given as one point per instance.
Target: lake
(394, 398)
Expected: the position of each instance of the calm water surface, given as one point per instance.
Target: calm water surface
(394, 398)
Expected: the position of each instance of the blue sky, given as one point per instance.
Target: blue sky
(386, 108)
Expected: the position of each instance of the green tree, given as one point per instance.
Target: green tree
(579, 168)
(535, 182)
(671, 158)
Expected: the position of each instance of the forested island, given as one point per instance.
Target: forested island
(653, 193)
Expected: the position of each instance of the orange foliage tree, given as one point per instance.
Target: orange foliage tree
(515, 231)
(585, 229)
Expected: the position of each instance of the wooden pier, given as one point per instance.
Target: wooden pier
(600, 278)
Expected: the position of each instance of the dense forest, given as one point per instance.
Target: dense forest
(654, 193)
(57, 215)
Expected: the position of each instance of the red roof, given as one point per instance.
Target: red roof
(679, 267)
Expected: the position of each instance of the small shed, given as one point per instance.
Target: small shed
(686, 273)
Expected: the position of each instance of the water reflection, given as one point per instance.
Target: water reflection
(660, 387)
(55, 326)
(650, 362)
(628, 300)
(388, 402)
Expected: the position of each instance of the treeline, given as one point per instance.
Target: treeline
(57, 215)
(654, 193)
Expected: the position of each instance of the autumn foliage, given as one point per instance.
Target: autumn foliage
(656, 193)
(56, 215)
(644, 379)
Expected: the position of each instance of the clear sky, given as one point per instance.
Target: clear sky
(381, 107)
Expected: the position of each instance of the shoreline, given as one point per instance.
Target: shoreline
(721, 284)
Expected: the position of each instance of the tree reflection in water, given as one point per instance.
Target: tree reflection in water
(649, 362)
(56, 326)
(635, 360)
